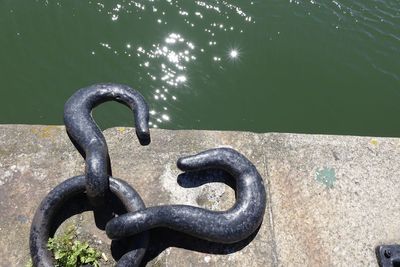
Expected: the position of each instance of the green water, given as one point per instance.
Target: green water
(267, 65)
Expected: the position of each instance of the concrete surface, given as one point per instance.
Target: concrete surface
(331, 199)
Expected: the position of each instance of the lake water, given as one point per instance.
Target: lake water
(316, 66)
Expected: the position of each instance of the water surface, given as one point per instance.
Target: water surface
(272, 65)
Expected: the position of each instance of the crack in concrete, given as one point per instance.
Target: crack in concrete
(271, 213)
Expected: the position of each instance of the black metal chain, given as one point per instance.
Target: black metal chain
(229, 226)
(87, 136)
(97, 183)
(98, 187)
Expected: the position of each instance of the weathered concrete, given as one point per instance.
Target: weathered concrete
(331, 199)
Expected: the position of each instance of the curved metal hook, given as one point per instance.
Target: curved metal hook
(43, 222)
(88, 138)
(229, 226)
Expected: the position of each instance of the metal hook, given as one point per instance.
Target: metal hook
(88, 138)
(229, 226)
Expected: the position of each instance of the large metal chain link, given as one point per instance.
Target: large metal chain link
(97, 186)
(88, 138)
(229, 226)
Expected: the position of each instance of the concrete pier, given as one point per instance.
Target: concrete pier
(330, 199)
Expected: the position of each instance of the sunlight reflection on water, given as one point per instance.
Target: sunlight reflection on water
(167, 61)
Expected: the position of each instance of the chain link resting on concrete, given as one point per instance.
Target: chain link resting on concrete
(98, 186)
(88, 138)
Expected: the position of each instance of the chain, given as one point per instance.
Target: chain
(87, 137)
(97, 190)
(230, 226)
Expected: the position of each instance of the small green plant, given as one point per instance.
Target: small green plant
(29, 263)
(69, 252)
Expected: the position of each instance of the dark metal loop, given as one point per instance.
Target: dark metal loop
(88, 138)
(388, 255)
(45, 217)
(229, 226)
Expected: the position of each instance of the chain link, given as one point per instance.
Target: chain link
(228, 226)
(88, 138)
(98, 188)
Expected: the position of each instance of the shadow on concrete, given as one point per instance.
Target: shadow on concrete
(199, 178)
(79, 203)
(163, 238)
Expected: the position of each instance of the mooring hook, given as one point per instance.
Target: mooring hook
(86, 135)
(229, 226)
